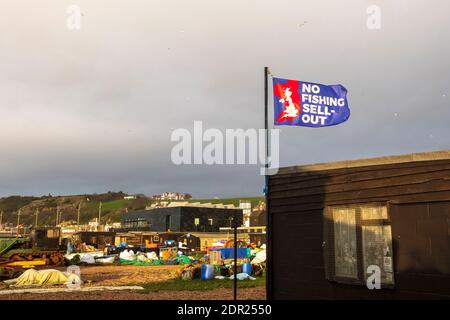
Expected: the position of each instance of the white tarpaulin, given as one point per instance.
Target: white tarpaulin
(259, 258)
(86, 257)
(127, 255)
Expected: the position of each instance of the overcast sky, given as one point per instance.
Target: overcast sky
(92, 110)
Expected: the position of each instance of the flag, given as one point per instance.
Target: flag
(306, 104)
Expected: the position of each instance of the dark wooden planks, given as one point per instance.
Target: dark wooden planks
(297, 201)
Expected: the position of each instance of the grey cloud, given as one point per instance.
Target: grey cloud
(93, 110)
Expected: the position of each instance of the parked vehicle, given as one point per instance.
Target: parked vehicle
(41, 248)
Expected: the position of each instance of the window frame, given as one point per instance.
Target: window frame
(53, 233)
(168, 222)
(329, 243)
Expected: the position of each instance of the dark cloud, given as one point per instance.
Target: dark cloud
(93, 110)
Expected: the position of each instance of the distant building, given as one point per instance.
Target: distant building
(246, 207)
(93, 225)
(180, 219)
(129, 197)
(112, 226)
(258, 216)
(171, 204)
(172, 196)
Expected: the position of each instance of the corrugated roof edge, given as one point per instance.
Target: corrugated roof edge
(412, 157)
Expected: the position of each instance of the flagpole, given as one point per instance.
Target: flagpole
(266, 190)
(235, 257)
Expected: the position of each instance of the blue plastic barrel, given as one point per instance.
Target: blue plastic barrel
(247, 268)
(207, 272)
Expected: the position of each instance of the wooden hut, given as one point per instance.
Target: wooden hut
(97, 239)
(334, 224)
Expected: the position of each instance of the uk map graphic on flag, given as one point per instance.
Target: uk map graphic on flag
(300, 103)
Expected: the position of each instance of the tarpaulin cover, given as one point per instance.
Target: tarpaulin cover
(127, 255)
(183, 260)
(41, 277)
(260, 257)
(228, 253)
(141, 263)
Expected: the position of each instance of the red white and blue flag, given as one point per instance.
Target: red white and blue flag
(306, 104)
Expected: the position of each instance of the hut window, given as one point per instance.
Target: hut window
(373, 212)
(345, 242)
(377, 250)
(356, 237)
(210, 221)
(197, 221)
(52, 233)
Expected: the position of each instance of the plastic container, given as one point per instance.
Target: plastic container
(207, 272)
(247, 268)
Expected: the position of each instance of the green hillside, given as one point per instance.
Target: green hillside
(113, 204)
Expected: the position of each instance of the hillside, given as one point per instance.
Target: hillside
(113, 204)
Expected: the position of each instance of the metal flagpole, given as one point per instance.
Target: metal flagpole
(78, 214)
(37, 217)
(266, 190)
(18, 222)
(99, 215)
(235, 256)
